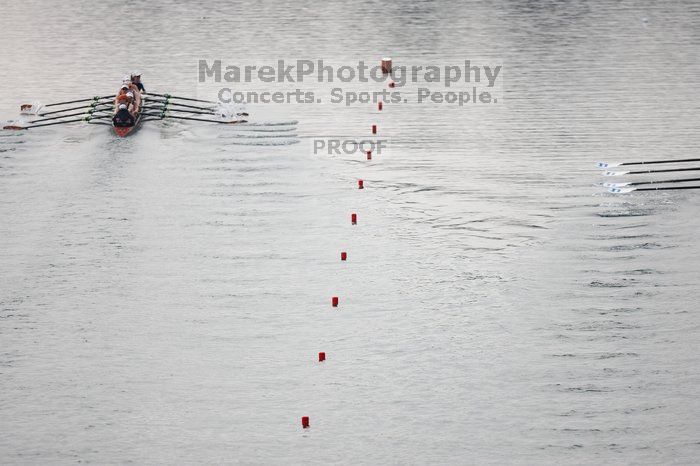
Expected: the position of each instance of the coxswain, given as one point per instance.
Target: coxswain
(123, 118)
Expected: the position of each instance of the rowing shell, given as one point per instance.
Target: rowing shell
(99, 110)
(124, 131)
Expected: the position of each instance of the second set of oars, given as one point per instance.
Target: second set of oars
(628, 187)
(161, 106)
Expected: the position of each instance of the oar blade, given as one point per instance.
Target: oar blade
(604, 165)
(621, 190)
(30, 109)
(611, 173)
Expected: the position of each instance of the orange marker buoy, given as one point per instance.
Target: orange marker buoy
(380, 105)
(334, 301)
(353, 219)
(321, 356)
(360, 184)
(369, 155)
(305, 422)
(386, 65)
(374, 129)
(343, 256)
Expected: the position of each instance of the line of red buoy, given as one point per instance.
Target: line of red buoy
(386, 69)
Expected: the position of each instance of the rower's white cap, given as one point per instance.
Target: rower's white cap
(122, 106)
(124, 86)
(129, 94)
(135, 73)
(127, 78)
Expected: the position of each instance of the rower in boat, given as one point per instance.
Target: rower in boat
(136, 79)
(127, 105)
(123, 118)
(132, 101)
(130, 84)
(121, 97)
(132, 94)
(134, 97)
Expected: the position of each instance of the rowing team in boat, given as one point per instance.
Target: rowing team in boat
(127, 103)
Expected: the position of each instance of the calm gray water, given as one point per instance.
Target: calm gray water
(163, 297)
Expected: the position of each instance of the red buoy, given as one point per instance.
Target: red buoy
(353, 219)
(305, 422)
(380, 105)
(360, 184)
(334, 301)
(343, 256)
(369, 155)
(321, 356)
(374, 129)
(386, 65)
(392, 84)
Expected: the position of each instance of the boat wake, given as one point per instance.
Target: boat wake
(267, 142)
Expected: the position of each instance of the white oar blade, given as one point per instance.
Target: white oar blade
(607, 164)
(14, 127)
(614, 173)
(229, 111)
(615, 185)
(30, 109)
(621, 190)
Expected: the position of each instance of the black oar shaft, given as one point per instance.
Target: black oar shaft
(680, 180)
(667, 188)
(59, 116)
(661, 161)
(88, 119)
(194, 112)
(94, 105)
(203, 119)
(56, 123)
(184, 110)
(168, 96)
(76, 101)
(63, 116)
(196, 107)
(641, 172)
